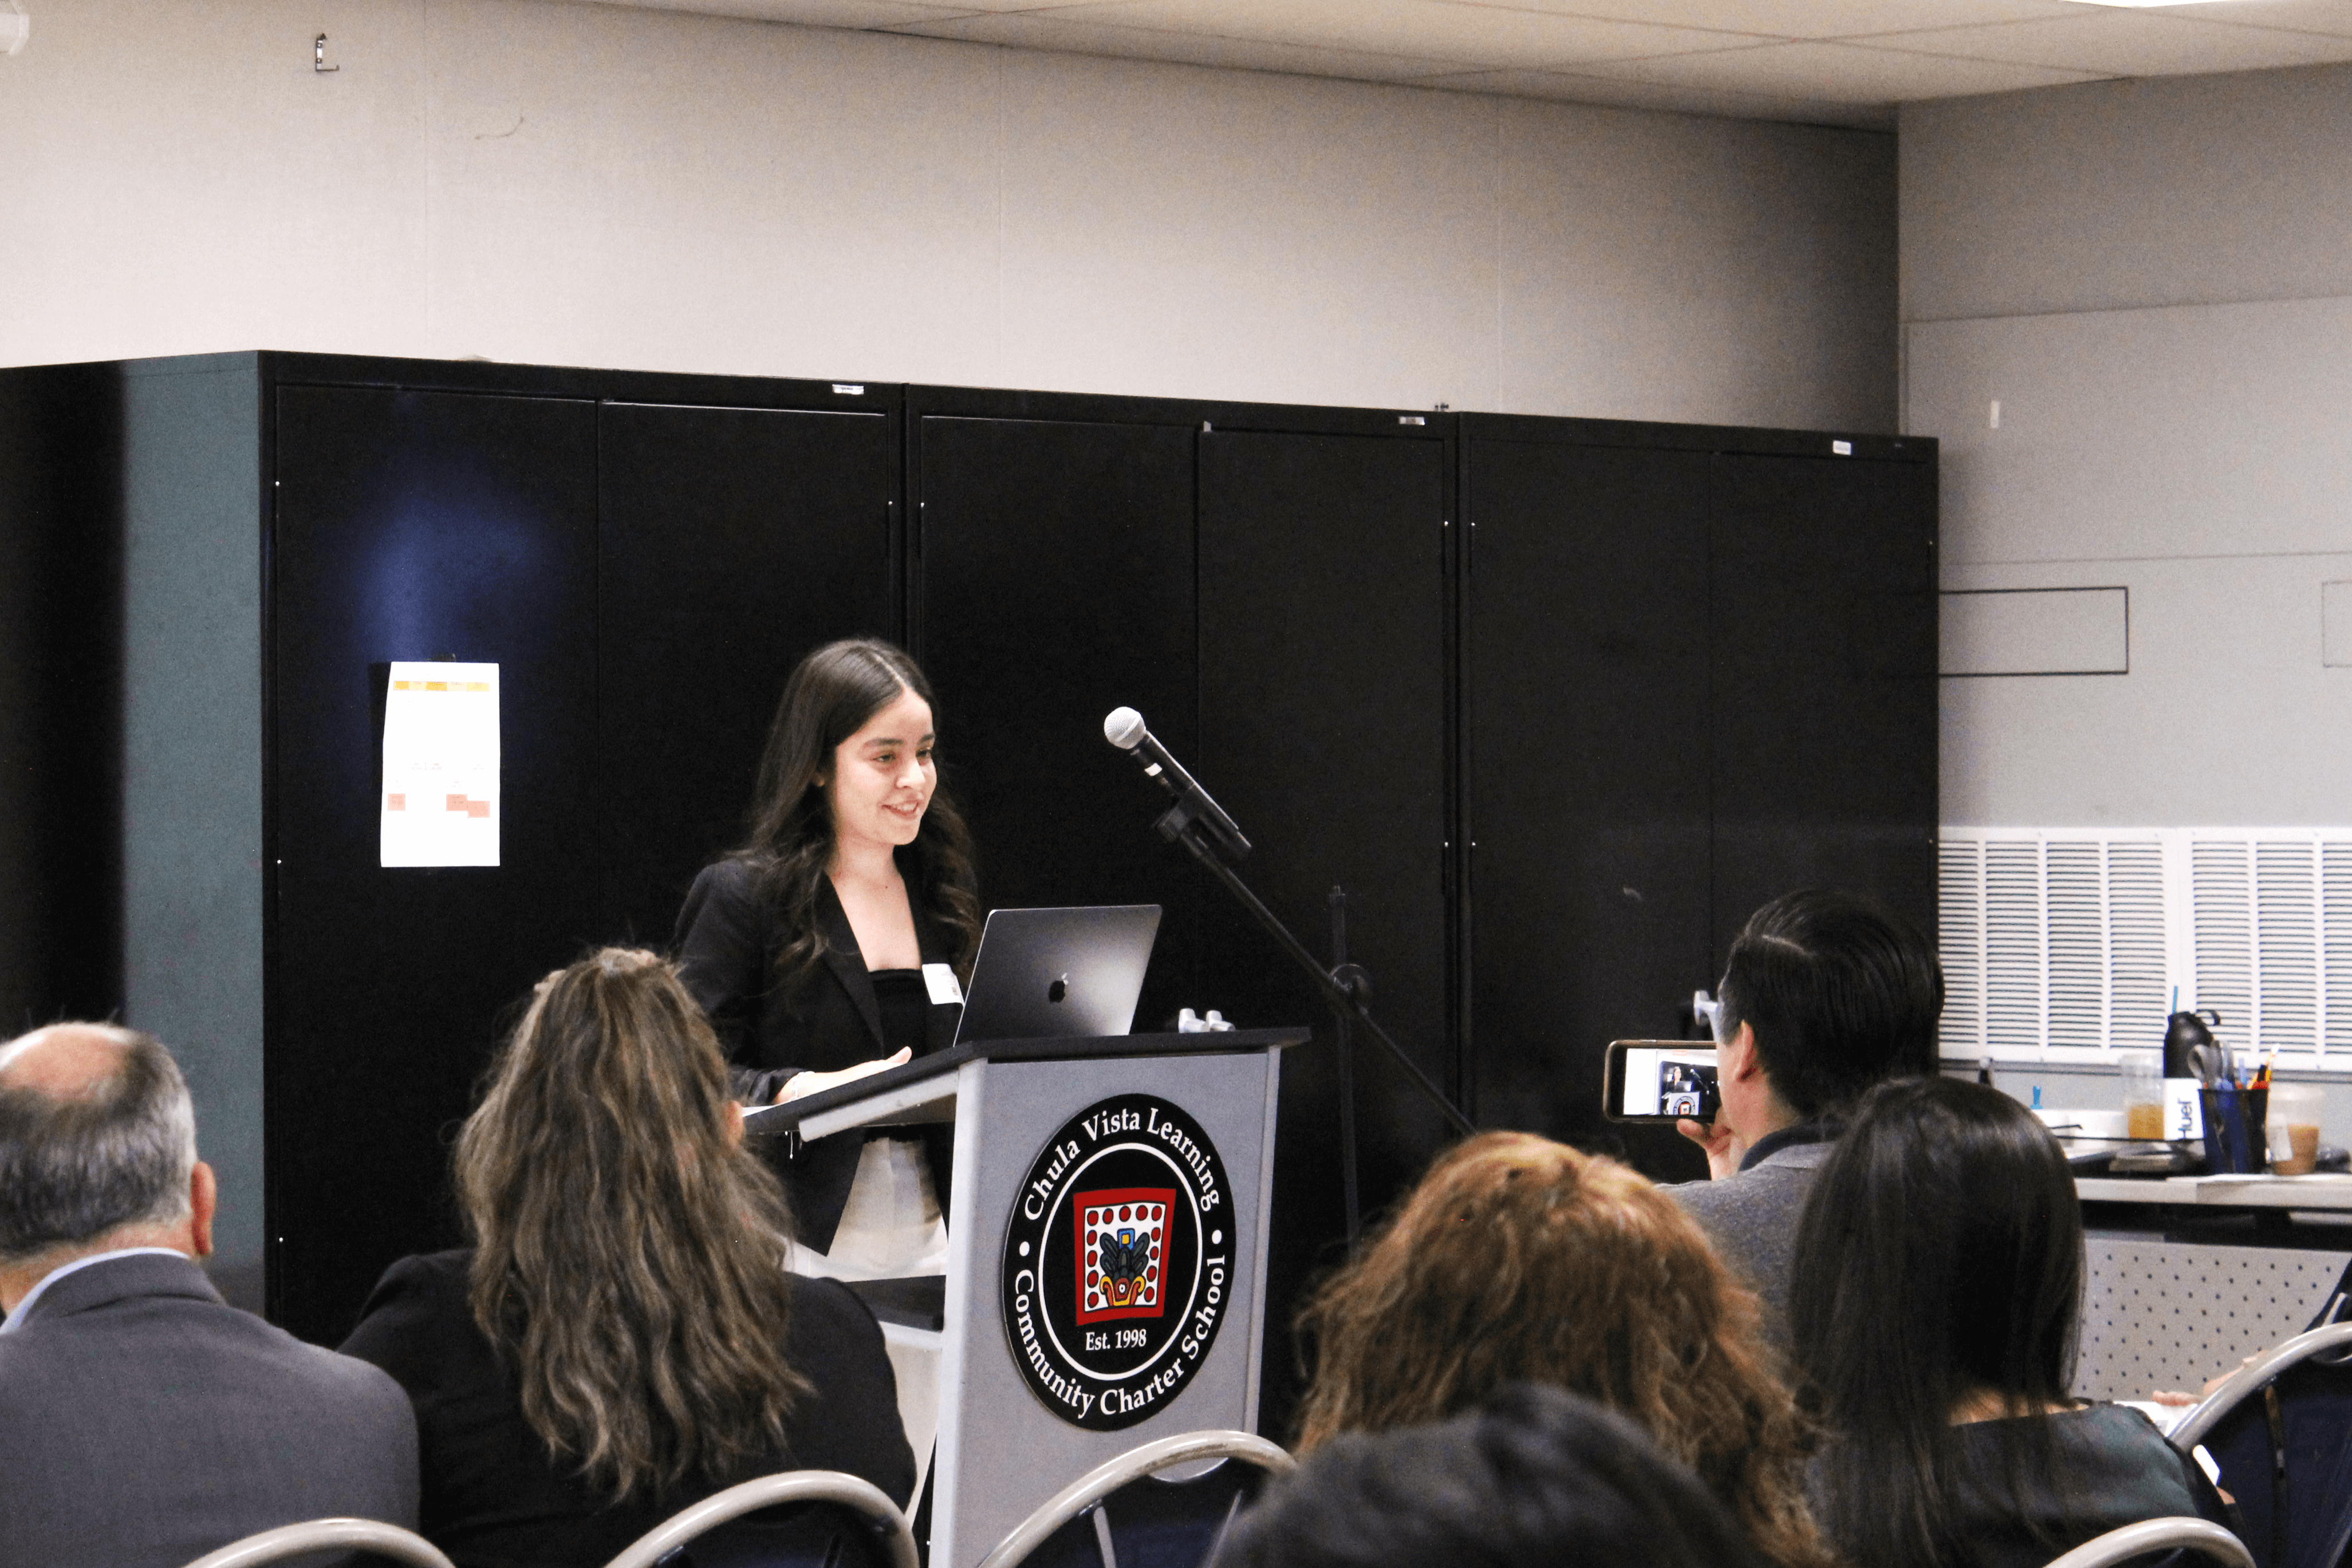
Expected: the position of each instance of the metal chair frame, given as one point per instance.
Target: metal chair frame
(2159, 1535)
(766, 1491)
(2251, 1377)
(326, 1535)
(1086, 1494)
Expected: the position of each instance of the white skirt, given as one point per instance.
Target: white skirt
(891, 1227)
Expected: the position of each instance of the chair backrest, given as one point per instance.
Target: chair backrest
(2281, 1431)
(326, 1535)
(862, 1497)
(2159, 1535)
(1090, 1492)
(2251, 1377)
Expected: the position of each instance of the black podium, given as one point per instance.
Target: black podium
(1106, 1268)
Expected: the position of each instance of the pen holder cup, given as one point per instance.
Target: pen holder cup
(2236, 1140)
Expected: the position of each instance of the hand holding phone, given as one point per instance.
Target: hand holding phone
(1723, 1146)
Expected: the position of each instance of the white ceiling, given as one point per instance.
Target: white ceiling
(1843, 62)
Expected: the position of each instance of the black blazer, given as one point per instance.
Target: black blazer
(728, 938)
(494, 1497)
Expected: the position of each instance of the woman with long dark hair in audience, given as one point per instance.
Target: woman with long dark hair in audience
(1517, 1259)
(832, 944)
(622, 1338)
(1936, 1292)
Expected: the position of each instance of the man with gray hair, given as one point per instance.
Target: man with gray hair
(143, 1420)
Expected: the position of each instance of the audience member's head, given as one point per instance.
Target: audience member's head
(1534, 1475)
(1837, 994)
(629, 1253)
(1939, 1275)
(98, 1148)
(1520, 1260)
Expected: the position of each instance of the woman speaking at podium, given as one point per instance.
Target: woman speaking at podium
(826, 947)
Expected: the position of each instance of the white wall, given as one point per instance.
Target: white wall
(615, 186)
(2154, 280)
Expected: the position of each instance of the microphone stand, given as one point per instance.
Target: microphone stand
(1344, 986)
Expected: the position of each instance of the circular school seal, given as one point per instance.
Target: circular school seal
(1117, 1268)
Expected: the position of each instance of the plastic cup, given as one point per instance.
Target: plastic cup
(2293, 1128)
(2143, 1076)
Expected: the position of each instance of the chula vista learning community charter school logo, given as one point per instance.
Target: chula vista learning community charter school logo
(1118, 1267)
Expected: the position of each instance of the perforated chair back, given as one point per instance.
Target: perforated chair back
(2281, 1431)
(879, 1533)
(2192, 1535)
(1119, 1515)
(385, 1541)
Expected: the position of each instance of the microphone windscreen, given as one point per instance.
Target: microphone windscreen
(1123, 727)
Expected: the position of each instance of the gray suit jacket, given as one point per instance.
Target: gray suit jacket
(1752, 1218)
(143, 1423)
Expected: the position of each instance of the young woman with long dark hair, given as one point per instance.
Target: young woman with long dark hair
(823, 946)
(1519, 1259)
(622, 1338)
(1935, 1296)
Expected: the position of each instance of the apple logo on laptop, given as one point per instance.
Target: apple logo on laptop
(1058, 990)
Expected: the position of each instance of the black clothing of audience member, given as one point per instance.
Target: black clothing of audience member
(1537, 1476)
(494, 1497)
(2117, 1470)
(1935, 1302)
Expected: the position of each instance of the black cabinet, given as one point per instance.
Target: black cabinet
(1588, 756)
(643, 572)
(1701, 673)
(1558, 701)
(1055, 582)
(730, 542)
(1821, 602)
(1325, 588)
(413, 525)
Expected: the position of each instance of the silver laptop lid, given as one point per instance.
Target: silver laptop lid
(1058, 973)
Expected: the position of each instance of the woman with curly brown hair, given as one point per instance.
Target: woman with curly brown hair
(1519, 1259)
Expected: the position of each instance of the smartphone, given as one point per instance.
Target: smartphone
(1658, 1080)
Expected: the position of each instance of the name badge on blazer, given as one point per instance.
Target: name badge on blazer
(941, 983)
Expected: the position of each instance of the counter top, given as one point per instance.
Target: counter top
(2331, 1191)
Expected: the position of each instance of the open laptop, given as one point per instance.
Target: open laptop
(1058, 973)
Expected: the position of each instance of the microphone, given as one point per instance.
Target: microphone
(1124, 728)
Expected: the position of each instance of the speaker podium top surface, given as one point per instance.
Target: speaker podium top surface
(924, 1089)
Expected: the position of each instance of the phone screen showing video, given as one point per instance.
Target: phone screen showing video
(1666, 1082)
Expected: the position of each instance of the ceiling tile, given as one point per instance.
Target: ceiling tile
(1806, 18)
(1494, 37)
(1846, 73)
(1618, 92)
(1035, 31)
(2117, 42)
(2332, 16)
(808, 13)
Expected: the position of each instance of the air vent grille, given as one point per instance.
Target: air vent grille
(2065, 944)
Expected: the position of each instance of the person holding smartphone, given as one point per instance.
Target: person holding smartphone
(1824, 996)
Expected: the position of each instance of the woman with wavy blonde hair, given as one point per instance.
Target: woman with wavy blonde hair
(1520, 1260)
(623, 1337)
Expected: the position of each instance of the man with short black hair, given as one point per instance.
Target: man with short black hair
(144, 1422)
(1824, 996)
